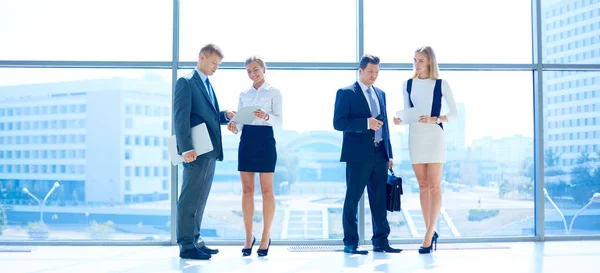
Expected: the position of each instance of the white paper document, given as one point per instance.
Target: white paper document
(245, 115)
(410, 115)
(200, 141)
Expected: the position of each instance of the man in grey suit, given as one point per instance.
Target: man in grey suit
(194, 102)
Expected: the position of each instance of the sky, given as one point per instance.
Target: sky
(498, 104)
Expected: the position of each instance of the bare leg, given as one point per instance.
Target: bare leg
(266, 186)
(424, 196)
(248, 205)
(434, 174)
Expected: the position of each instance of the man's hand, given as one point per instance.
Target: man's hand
(232, 126)
(230, 114)
(397, 121)
(375, 124)
(190, 156)
(390, 164)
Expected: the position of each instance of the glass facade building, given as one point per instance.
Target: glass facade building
(86, 101)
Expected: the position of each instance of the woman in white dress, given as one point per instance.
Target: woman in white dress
(427, 146)
(257, 152)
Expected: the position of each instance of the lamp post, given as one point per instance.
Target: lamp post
(42, 203)
(557, 209)
(595, 199)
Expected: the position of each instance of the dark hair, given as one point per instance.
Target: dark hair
(368, 59)
(210, 49)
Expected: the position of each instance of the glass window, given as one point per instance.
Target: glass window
(280, 31)
(87, 30)
(570, 183)
(573, 38)
(87, 178)
(488, 164)
(308, 158)
(395, 29)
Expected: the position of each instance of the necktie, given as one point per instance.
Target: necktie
(374, 113)
(211, 94)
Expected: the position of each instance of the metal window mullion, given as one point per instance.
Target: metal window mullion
(360, 49)
(174, 169)
(84, 64)
(538, 122)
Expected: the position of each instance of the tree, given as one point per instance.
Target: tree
(550, 158)
(3, 222)
(584, 157)
(583, 183)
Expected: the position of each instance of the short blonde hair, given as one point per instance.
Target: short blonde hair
(434, 70)
(256, 59)
(210, 49)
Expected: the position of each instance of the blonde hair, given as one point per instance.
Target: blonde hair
(256, 59)
(434, 70)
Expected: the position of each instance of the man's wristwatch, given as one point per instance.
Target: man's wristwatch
(438, 120)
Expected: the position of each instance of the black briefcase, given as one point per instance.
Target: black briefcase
(393, 192)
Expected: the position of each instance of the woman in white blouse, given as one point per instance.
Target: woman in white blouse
(426, 142)
(257, 152)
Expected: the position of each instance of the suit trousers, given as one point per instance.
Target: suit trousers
(197, 180)
(372, 173)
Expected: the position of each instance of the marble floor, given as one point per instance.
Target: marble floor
(534, 257)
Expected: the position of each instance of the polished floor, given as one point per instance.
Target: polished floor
(548, 257)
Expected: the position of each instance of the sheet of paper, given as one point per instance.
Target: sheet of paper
(410, 115)
(245, 115)
(200, 141)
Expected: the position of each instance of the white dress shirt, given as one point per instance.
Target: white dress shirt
(267, 98)
(364, 90)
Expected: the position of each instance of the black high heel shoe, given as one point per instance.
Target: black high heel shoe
(432, 247)
(248, 251)
(264, 252)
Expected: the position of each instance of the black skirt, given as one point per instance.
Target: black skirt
(257, 152)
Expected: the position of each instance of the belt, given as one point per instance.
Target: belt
(377, 144)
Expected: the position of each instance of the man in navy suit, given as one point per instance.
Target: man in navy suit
(361, 114)
(194, 102)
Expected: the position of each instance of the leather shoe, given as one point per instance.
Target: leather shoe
(354, 250)
(386, 248)
(195, 254)
(212, 251)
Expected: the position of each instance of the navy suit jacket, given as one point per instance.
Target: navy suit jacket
(192, 106)
(350, 116)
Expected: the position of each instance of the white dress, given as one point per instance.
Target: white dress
(426, 142)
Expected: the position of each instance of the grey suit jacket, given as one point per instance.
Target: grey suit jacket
(192, 106)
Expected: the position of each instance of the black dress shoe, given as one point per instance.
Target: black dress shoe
(354, 250)
(386, 248)
(205, 249)
(195, 254)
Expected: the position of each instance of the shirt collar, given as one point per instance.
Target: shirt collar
(203, 77)
(264, 86)
(363, 86)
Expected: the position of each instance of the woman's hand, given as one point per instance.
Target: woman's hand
(397, 121)
(427, 119)
(231, 126)
(260, 113)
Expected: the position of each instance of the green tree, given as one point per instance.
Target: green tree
(3, 221)
(583, 183)
(584, 157)
(550, 158)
